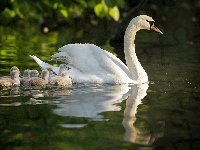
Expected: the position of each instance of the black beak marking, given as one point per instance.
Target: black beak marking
(151, 23)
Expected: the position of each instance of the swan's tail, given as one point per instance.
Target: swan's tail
(44, 65)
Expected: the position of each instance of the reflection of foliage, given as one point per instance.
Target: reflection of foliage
(60, 10)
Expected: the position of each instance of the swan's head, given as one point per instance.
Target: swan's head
(146, 22)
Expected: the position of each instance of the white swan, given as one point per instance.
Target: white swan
(90, 64)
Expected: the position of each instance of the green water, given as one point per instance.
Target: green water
(164, 115)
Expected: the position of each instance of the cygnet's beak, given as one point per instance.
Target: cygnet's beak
(155, 28)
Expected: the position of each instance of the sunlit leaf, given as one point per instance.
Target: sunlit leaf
(55, 5)
(18, 12)
(75, 10)
(9, 13)
(64, 12)
(114, 13)
(101, 9)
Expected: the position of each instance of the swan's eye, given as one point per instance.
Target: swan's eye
(151, 23)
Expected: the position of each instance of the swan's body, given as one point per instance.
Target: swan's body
(90, 64)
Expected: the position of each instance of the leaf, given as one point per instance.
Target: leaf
(55, 5)
(64, 12)
(101, 9)
(9, 13)
(114, 13)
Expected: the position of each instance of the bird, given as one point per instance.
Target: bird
(26, 76)
(62, 80)
(91, 64)
(12, 81)
(62, 67)
(37, 81)
(34, 73)
(11, 69)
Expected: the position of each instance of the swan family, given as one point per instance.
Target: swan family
(88, 63)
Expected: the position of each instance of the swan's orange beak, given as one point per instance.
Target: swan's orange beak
(153, 27)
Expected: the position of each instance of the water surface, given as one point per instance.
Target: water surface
(160, 115)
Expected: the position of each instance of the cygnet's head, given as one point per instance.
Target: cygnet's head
(14, 68)
(63, 66)
(14, 74)
(26, 73)
(34, 73)
(45, 74)
(146, 22)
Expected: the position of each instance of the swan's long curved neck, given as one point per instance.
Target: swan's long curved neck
(134, 66)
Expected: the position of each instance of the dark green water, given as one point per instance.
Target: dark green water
(163, 115)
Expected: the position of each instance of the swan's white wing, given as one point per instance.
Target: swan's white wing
(119, 63)
(81, 56)
(90, 64)
(89, 58)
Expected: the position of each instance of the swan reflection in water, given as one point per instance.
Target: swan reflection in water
(90, 104)
(132, 133)
(90, 101)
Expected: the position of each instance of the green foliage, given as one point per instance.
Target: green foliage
(101, 9)
(109, 7)
(114, 13)
(29, 10)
